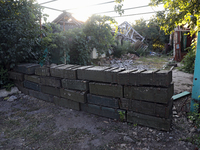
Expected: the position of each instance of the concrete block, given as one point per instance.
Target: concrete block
(163, 78)
(42, 96)
(75, 84)
(50, 90)
(149, 108)
(28, 68)
(51, 81)
(71, 72)
(58, 70)
(111, 74)
(149, 121)
(81, 71)
(94, 74)
(102, 111)
(112, 90)
(151, 94)
(124, 77)
(147, 77)
(103, 101)
(32, 78)
(66, 103)
(73, 95)
(42, 71)
(134, 77)
(16, 76)
(32, 85)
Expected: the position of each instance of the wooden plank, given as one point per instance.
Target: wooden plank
(177, 96)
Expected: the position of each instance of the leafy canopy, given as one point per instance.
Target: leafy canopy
(98, 29)
(179, 12)
(19, 31)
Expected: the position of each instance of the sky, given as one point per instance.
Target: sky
(82, 9)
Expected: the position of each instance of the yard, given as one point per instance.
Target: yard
(29, 123)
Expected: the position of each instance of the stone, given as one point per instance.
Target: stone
(58, 70)
(128, 139)
(124, 77)
(12, 98)
(71, 72)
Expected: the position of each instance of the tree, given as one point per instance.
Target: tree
(98, 31)
(19, 31)
(155, 37)
(179, 12)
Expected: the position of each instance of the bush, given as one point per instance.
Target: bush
(188, 60)
(19, 32)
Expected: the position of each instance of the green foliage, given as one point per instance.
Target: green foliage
(188, 60)
(4, 79)
(195, 117)
(121, 115)
(154, 37)
(119, 50)
(19, 31)
(179, 12)
(98, 30)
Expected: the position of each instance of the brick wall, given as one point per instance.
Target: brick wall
(144, 97)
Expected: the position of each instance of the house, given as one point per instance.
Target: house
(180, 40)
(67, 21)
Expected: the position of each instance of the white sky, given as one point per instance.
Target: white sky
(83, 12)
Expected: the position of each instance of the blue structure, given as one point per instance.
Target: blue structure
(196, 79)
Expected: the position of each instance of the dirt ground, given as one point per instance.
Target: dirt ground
(29, 123)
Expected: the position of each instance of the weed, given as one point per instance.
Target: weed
(122, 115)
(195, 117)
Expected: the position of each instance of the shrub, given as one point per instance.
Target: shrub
(188, 60)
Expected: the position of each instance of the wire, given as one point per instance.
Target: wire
(123, 9)
(53, 9)
(48, 2)
(92, 5)
(135, 14)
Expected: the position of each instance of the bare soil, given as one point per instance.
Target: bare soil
(30, 123)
